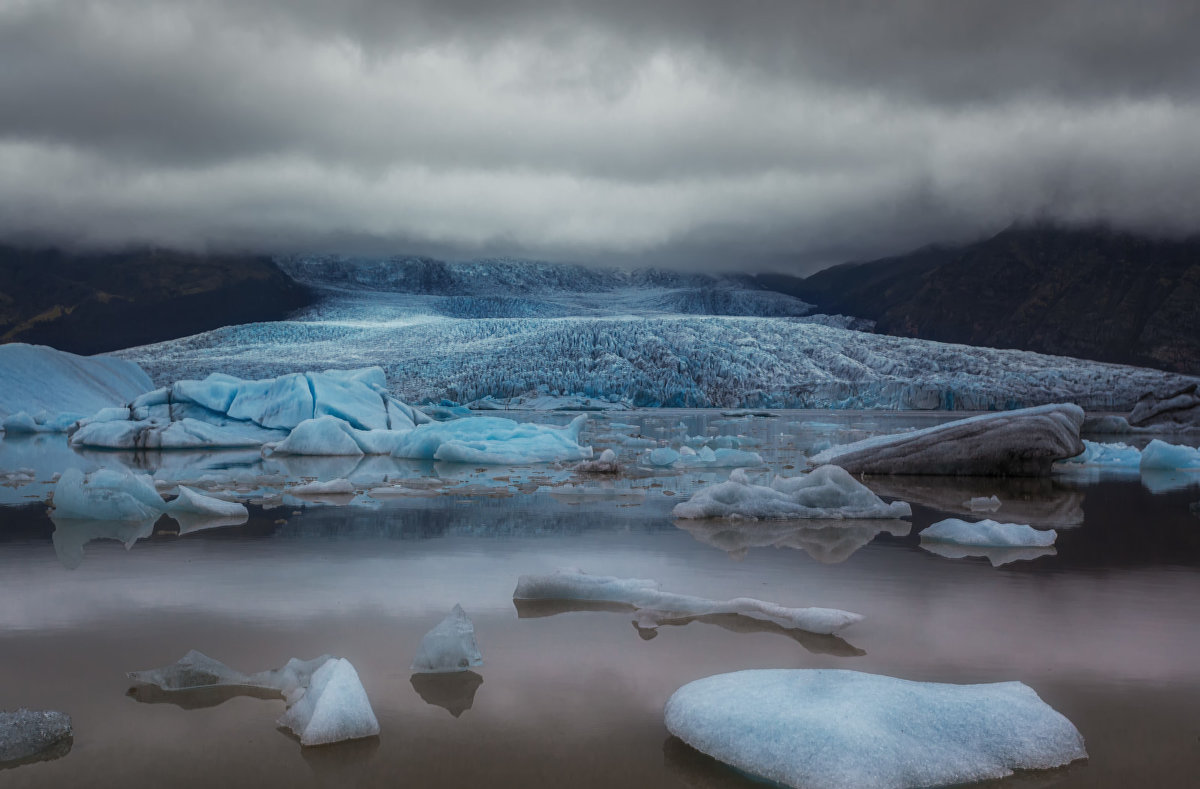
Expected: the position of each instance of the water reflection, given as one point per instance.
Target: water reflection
(56, 751)
(341, 765)
(647, 623)
(827, 541)
(453, 691)
(1042, 502)
(71, 535)
(198, 698)
(997, 556)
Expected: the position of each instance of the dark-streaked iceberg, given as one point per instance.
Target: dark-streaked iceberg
(1018, 443)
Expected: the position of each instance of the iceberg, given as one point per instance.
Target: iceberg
(835, 729)
(988, 534)
(448, 647)
(827, 492)
(488, 440)
(983, 503)
(54, 385)
(107, 494)
(663, 456)
(222, 411)
(1170, 410)
(333, 707)
(33, 736)
(192, 502)
(331, 487)
(193, 671)
(42, 422)
(1161, 456)
(645, 597)
(1009, 443)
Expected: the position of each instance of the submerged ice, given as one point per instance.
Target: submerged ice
(833, 729)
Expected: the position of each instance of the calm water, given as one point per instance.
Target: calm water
(1106, 630)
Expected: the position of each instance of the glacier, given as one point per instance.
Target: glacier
(835, 729)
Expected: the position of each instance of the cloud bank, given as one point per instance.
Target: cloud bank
(769, 135)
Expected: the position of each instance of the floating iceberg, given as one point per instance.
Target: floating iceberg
(1161, 456)
(41, 422)
(55, 385)
(193, 671)
(224, 411)
(989, 534)
(650, 603)
(1096, 453)
(1009, 443)
(333, 707)
(120, 495)
(330, 487)
(33, 736)
(827, 492)
(492, 440)
(663, 456)
(833, 729)
(448, 647)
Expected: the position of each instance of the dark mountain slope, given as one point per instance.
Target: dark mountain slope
(1090, 293)
(91, 303)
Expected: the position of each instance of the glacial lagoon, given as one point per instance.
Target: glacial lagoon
(1105, 626)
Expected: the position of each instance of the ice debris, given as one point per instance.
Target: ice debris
(1096, 453)
(33, 735)
(663, 456)
(333, 707)
(827, 492)
(1009, 443)
(834, 729)
(651, 603)
(327, 488)
(989, 534)
(605, 464)
(41, 422)
(448, 647)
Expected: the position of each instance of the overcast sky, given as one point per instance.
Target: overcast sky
(717, 135)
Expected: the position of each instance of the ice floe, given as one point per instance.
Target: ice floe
(33, 736)
(650, 602)
(448, 647)
(988, 534)
(827, 492)
(834, 729)
(1009, 443)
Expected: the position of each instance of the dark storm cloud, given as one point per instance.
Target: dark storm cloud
(706, 134)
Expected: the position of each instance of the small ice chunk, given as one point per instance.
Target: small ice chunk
(834, 729)
(195, 503)
(448, 647)
(825, 492)
(653, 604)
(31, 735)
(605, 464)
(1161, 456)
(983, 503)
(193, 670)
(663, 456)
(330, 487)
(989, 534)
(332, 708)
(1096, 453)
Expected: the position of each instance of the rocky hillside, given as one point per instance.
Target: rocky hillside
(91, 303)
(1088, 293)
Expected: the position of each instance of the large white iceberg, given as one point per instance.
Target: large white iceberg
(827, 492)
(332, 707)
(653, 605)
(989, 534)
(54, 385)
(448, 647)
(833, 729)
(1008, 443)
(1161, 456)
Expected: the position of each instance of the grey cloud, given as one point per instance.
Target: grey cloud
(779, 135)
